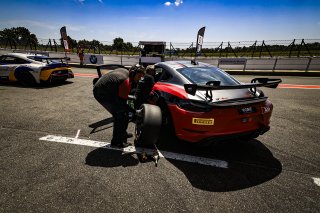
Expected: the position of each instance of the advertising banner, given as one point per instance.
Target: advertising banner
(200, 40)
(93, 59)
(64, 37)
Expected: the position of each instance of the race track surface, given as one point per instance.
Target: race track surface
(277, 172)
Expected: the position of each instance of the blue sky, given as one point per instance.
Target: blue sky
(165, 20)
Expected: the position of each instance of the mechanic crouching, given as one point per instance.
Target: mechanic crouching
(112, 91)
(144, 87)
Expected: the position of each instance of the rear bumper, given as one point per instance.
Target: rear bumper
(56, 74)
(220, 123)
(252, 134)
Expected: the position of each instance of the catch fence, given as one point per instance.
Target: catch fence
(248, 49)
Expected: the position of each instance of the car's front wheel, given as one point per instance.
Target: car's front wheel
(148, 124)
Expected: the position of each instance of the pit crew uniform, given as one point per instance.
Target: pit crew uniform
(112, 91)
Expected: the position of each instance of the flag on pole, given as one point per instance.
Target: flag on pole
(200, 40)
(64, 37)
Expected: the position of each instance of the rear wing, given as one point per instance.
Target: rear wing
(215, 85)
(62, 59)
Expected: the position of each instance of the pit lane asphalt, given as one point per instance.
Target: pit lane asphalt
(273, 173)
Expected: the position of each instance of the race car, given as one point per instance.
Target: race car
(32, 69)
(202, 103)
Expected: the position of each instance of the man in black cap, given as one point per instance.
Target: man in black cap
(112, 91)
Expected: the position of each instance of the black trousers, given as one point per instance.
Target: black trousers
(119, 110)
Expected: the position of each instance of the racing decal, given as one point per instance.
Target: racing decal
(265, 109)
(203, 121)
(11, 76)
(247, 110)
(172, 89)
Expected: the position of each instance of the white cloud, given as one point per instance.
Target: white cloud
(100, 1)
(177, 3)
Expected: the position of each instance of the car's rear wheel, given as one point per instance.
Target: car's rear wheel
(25, 78)
(148, 124)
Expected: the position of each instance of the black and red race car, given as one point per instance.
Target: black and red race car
(202, 103)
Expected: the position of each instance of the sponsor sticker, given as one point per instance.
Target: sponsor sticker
(93, 59)
(247, 110)
(203, 121)
(265, 110)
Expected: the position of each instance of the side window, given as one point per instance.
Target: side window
(158, 73)
(2, 59)
(21, 61)
(8, 60)
(165, 76)
(12, 60)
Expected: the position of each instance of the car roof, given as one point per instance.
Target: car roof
(184, 64)
(20, 55)
(28, 56)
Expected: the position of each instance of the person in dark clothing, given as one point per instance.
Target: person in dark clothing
(112, 91)
(136, 72)
(144, 87)
(81, 55)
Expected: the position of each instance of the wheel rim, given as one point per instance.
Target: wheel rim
(139, 124)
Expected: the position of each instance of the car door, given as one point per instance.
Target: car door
(7, 64)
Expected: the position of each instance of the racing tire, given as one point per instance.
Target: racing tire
(94, 81)
(148, 125)
(26, 79)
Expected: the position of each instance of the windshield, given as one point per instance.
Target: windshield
(201, 75)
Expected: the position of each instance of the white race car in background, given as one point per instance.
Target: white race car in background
(31, 69)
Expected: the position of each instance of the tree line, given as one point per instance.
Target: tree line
(21, 36)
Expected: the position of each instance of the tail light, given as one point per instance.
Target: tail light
(195, 106)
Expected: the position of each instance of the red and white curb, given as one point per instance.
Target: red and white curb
(139, 150)
(298, 86)
(85, 75)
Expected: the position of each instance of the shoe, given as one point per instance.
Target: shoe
(125, 144)
(129, 135)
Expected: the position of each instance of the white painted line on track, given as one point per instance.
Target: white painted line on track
(78, 133)
(316, 181)
(139, 150)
